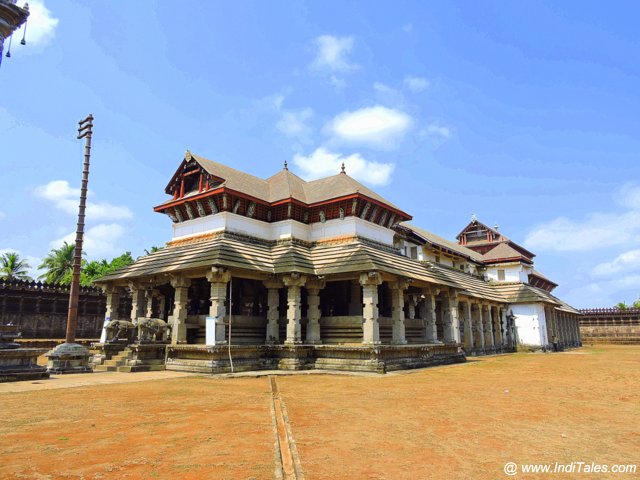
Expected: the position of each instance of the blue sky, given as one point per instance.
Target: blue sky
(523, 113)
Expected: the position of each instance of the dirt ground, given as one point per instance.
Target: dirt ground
(464, 421)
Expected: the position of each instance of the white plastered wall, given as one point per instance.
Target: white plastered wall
(531, 324)
(231, 222)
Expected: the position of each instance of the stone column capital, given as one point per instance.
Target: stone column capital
(178, 281)
(294, 280)
(370, 278)
(315, 284)
(399, 285)
(272, 283)
(108, 288)
(218, 275)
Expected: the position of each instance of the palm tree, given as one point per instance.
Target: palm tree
(58, 265)
(13, 268)
(152, 250)
(622, 306)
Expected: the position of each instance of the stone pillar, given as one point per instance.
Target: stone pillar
(137, 301)
(180, 309)
(478, 328)
(162, 303)
(113, 299)
(273, 313)
(412, 301)
(370, 326)
(429, 316)
(497, 327)
(355, 302)
(397, 311)
(505, 328)
(149, 294)
(488, 326)
(218, 278)
(294, 283)
(468, 328)
(313, 311)
(450, 319)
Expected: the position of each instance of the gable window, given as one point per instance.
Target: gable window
(501, 275)
(414, 253)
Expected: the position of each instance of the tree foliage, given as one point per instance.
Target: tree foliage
(12, 267)
(58, 265)
(99, 268)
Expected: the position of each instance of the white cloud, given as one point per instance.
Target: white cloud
(323, 163)
(332, 54)
(625, 262)
(629, 196)
(376, 126)
(598, 230)
(293, 123)
(436, 130)
(99, 241)
(416, 84)
(41, 25)
(66, 198)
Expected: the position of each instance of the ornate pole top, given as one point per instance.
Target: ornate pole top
(342, 169)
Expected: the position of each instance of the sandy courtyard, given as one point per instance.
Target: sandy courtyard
(463, 421)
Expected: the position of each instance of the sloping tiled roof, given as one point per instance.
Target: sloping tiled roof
(356, 255)
(235, 179)
(228, 250)
(285, 184)
(503, 251)
(340, 185)
(443, 242)
(539, 275)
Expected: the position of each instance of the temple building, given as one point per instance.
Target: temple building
(327, 274)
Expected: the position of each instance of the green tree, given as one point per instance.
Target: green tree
(636, 304)
(58, 265)
(13, 268)
(622, 306)
(96, 269)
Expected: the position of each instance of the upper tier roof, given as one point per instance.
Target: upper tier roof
(284, 185)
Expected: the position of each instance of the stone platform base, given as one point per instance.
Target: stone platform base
(360, 358)
(19, 364)
(145, 357)
(68, 358)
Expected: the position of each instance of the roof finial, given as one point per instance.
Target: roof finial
(286, 165)
(342, 170)
(473, 217)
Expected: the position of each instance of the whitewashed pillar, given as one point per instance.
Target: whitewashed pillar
(113, 300)
(218, 278)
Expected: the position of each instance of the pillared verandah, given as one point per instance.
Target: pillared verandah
(327, 274)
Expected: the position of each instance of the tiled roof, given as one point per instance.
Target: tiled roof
(285, 184)
(352, 256)
(503, 251)
(443, 242)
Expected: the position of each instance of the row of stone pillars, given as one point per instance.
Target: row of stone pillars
(563, 326)
(486, 327)
(482, 324)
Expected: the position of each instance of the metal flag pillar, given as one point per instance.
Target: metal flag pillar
(84, 131)
(71, 357)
